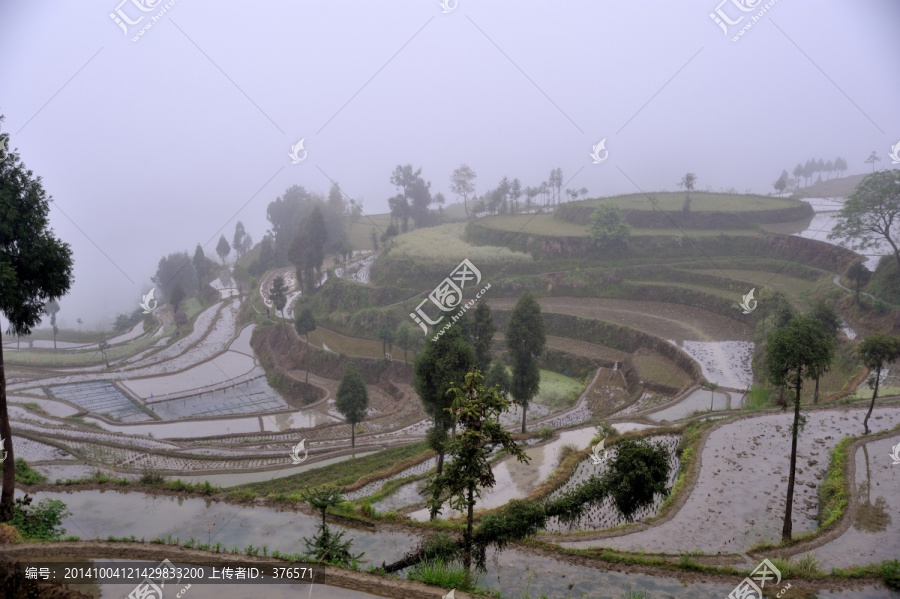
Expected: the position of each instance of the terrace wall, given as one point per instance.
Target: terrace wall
(783, 247)
(581, 213)
(614, 336)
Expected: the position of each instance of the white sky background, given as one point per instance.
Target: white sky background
(150, 148)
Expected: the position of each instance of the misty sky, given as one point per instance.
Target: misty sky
(150, 147)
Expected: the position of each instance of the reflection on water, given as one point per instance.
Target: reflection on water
(98, 514)
(515, 480)
(870, 517)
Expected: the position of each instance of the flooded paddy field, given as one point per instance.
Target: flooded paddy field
(250, 397)
(99, 514)
(606, 515)
(698, 400)
(874, 534)
(515, 480)
(726, 363)
(742, 484)
(102, 398)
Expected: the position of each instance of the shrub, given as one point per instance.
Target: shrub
(565, 451)
(42, 522)
(890, 572)
(808, 564)
(447, 575)
(9, 534)
(151, 476)
(545, 432)
(606, 430)
(26, 475)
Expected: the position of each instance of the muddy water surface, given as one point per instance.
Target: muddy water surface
(875, 532)
(97, 515)
(513, 572)
(700, 400)
(515, 480)
(740, 492)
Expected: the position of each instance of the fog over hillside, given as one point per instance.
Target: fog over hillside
(152, 146)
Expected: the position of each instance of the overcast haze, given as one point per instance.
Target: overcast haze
(150, 147)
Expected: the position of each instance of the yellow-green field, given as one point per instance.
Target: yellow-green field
(444, 243)
(700, 201)
(351, 346)
(557, 390)
(657, 369)
(360, 232)
(790, 285)
(548, 225)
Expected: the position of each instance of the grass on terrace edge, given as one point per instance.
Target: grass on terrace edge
(341, 474)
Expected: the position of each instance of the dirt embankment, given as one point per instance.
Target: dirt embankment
(282, 353)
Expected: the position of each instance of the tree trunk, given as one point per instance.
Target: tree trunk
(9, 461)
(789, 502)
(352, 435)
(871, 405)
(307, 358)
(857, 291)
(410, 559)
(440, 469)
(467, 552)
(816, 394)
(524, 409)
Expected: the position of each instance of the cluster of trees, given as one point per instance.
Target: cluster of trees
(466, 346)
(179, 275)
(632, 481)
(305, 229)
(504, 199)
(803, 346)
(414, 200)
(808, 170)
